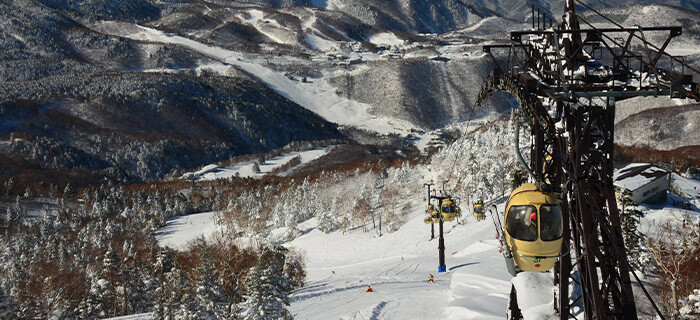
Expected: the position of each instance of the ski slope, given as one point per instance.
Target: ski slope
(180, 230)
(689, 187)
(245, 169)
(316, 94)
(397, 265)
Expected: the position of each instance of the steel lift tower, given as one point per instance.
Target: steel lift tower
(567, 77)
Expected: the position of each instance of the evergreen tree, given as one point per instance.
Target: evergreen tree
(630, 220)
(131, 290)
(69, 191)
(188, 309)
(209, 302)
(233, 312)
(256, 167)
(517, 178)
(28, 193)
(10, 220)
(174, 283)
(326, 218)
(294, 269)
(105, 295)
(9, 185)
(161, 267)
(268, 287)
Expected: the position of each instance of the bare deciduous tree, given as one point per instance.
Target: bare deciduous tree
(362, 212)
(674, 247)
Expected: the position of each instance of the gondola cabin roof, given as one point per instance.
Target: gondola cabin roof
(529, 194)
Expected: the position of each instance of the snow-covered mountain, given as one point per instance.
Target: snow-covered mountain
(76, 100)
(661, 128)
(439, 16)
(110, 69)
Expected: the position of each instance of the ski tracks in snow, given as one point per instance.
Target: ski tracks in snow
(377, 310)
(310, 292)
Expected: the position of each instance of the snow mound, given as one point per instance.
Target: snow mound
(200, 172)
(535, 306)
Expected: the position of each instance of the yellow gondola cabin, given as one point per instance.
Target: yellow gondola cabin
(433, 215)
(449, 210)
(533, 228)
(479, 213)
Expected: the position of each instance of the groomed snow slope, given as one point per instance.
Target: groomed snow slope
(397, 265)
(180, 230)
(316, 94)
(245, 169)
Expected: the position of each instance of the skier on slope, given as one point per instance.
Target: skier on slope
(431, 278)
(369, 289)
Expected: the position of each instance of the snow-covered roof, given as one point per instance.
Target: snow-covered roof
(637, 175)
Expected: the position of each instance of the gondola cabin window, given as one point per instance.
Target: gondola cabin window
(522, 223)
(448, 209)
(551, 224)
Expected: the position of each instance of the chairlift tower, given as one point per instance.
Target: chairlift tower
(441, 239)
(567, 79)
(432, 225)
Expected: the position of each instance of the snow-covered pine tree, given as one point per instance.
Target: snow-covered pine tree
(268, 287)
(28, 193)
(278, 213)
(9, 185)
(294, 268)
(326, 217)
(209, 302)
(131, 291)
(517, 178)
(630, 220)
(105, 287)
(162, 265)
(257, 291)
(174, 286)
(233, 312)
(292, 225)
(256, 167)
(690, 306)
(12, 220)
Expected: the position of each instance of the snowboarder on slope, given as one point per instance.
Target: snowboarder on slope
(431, 278)
(369, 289)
